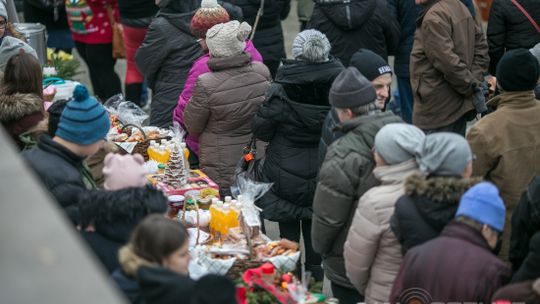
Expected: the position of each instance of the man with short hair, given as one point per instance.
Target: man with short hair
(460, 264)
(376, 70)
(346, 174)
(59, 161)
(448, 59)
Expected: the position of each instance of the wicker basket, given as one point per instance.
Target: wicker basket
(240, 266)
(141, 147)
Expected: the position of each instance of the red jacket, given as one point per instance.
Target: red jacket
(89, 20)
(457, 266)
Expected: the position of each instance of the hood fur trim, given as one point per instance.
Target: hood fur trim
(439, 189)
(16, 106)
(131, 262)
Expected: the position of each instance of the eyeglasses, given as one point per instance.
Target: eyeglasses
(3, 25)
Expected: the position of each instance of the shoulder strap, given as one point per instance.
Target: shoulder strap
(526, 15)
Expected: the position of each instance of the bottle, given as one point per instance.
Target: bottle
(226, 219)
(213, 216)
(185, 150)
(219, 219)
(233, 215)
(151, 152)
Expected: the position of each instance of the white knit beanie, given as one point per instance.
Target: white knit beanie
(311, 46)
(227, 39)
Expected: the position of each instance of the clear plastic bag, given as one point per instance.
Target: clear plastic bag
(247, 191)
(126, 111)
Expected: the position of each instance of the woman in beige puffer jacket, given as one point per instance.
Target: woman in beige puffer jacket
(225, 101)
(372, 252)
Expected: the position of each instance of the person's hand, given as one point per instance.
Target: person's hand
(479, 97)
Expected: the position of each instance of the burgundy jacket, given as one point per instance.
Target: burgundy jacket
(457, 266)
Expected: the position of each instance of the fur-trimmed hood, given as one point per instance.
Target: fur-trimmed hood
(131, 262)
(15, 107)
(439, 189)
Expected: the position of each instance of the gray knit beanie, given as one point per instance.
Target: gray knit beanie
(445, 154)
(3, 10)
(311, 46)
(351, 89)
(399, 142)
(227, 39)
(12, 46)
(536, 51)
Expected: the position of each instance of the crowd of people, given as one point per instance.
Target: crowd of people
(433, 195)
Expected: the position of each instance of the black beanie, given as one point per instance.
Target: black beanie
(370, 64)
(224, 290)
(351, 89)
(55, 111)
(518, 70)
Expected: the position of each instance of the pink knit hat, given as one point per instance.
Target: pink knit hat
(124, 171)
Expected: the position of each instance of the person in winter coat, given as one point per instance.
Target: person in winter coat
(346, 175)
(166, 55)
(268, 37)
(372, 252)
(58, 161)
(224, 102)
(530, 268)
(107, 218)
(525, 292)
(290, 120)
(406, 12)
(448, 59)
(91, 29)
(509, 28)
(169, 251)
(135, 17)
(459, 265)
(52, 14)
(525, 223)
(506, 143)
(210, 14)
(376, 70)
(432, 197)
(21, 96)
(351, 25)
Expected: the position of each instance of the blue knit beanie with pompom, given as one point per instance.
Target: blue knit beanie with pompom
(84, 121)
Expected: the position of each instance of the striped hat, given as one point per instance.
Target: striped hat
(210, 14)
(84, 121)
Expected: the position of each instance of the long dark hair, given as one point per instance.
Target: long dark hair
(157, 237)
(23, 75)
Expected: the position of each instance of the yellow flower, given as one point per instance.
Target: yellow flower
(65, 56)
(50, 53)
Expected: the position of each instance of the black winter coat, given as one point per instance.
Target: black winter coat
(329, 134)
(59, 170)
(530, 268)
(525, 223)
(425, 209)
(509, 29)
(129, 286)
(290, 120)
(165, 58)
(358, 24)
(269, 34)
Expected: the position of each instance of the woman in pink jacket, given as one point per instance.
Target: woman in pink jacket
(210, 14)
